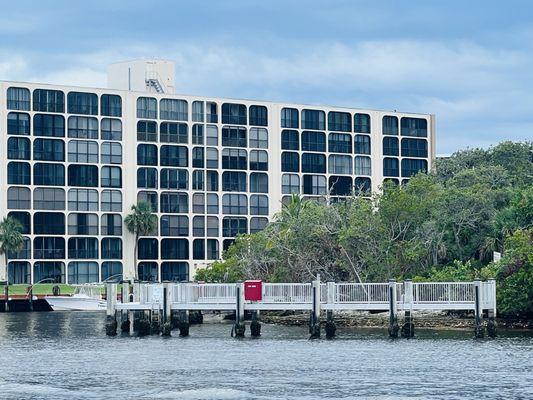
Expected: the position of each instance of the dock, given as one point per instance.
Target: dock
(161, 307)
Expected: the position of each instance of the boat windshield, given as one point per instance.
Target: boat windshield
(93, 291)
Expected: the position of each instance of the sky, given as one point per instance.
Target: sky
(468, 62)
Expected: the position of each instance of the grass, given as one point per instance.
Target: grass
(46, 289)
(40, 289)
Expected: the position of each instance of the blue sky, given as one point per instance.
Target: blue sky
(468, 62)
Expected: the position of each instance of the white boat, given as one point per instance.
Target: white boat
(85, 298)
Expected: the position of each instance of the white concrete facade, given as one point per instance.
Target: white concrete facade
(129, 166)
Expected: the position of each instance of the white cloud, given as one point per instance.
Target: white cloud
(464, 83)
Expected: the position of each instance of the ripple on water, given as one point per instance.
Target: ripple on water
(67, 356)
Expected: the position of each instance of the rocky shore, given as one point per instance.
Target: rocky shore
(440, 320)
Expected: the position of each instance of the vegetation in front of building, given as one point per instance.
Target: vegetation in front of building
(441, 226)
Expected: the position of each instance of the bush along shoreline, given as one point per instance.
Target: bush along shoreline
(445, 225)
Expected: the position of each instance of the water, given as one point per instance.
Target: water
(62, 355)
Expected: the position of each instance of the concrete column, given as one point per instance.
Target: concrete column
(330, 327)
(491, 322)
(314, 322)
(6, 297)
(239, 328)
(393, 310)
(255, 325)
(167, 309)
(111, 320)
(479, 331)
(408, 327)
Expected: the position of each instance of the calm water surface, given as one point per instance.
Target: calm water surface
(62, 355)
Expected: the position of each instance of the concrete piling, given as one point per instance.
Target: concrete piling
(239, 328)
(393, 310)
(479, 330)
(111, 318)
(6, 297)
(408, 327)
(166, 326)
(183, 323)
(330, 327)
(255, 325)
(314, 320)
(492, 326)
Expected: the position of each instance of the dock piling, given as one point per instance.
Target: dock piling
(183, 323)
(408, 327)
(111, 318)
(6, 297)
(492, 326)
(255, 325)
(166, 328)
(314, 321)
(393, 309)
(126, 316)
(479, 331)
(330, 327)
(239, 327)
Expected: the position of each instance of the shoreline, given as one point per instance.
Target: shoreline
(431, 320)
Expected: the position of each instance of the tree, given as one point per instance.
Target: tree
(11, 239)
(140, 222)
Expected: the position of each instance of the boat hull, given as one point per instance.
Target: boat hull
(73, 303)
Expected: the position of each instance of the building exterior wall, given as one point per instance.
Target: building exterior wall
(129, 169)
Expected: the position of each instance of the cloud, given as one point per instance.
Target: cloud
(466, 84)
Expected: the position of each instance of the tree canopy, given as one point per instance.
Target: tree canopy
(444, 225)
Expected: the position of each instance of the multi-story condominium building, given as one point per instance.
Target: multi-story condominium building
(76, 159)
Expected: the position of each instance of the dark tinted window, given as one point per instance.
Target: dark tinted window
(48, 100)
(258, 116)
(111, 105)
(289, 118)
(82, 103)
(313, 119)
(313, 141)
(233, 114)
(414, 127)
(414, 148)
(49, 174)
(339, 121)
(390, 125)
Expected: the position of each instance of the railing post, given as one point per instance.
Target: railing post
(491, 323)
(408, 327)
(478, 309)
(393, 310)
(111, 319)
(239, 328)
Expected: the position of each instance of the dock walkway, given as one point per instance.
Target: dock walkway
(169, 299)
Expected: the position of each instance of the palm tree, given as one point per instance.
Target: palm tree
(11, 239)
(140, 222)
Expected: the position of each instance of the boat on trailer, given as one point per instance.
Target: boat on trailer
(85, 298)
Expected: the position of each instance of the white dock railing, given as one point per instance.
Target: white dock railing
(332, 296)
(443, 292)
(287, 293)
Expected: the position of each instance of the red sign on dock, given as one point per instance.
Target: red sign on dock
(253, 290)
